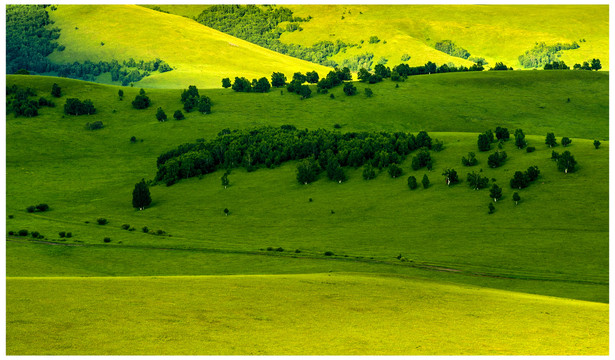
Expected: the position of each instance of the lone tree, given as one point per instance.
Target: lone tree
(532, 173)
(566, 162)
(477, 182)
(160, 115)
(520, 180)
(596, 64)
(179, 115)
(226, 211)
(484, 144)
(56, 91)
(520, 139)
(450, 176)
(349, 89)
(140, 195)
(550, 140)
(502, 133)
(224, 180)
(141, 101)
(566, 141)
(226, 83)
(495, 192)
(425, 181)
(470, 160)
(516, 198)
(412, 182)
(596, 144)
(120, 93)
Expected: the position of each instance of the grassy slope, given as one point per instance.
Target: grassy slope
(309, 314)
(199, 55)
(544, 238)
(497, 33)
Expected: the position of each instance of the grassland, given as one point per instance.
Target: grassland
(198, 54)
(496, 33)
(298, 314)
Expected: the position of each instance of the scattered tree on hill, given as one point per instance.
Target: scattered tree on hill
(226, 83)
(484, 144)
(425, 181)
(278, 79)
(495, 192)
(160, 115)
(307, 171)
(204, 105)
(554, 155)
(491, 208)
(120, 93)
(596, 144)
(226, 211)
(141, 196)
(349, 89)
(470, 160)
(477, 182)
(412, 182)
(76, 107)
(178, 115)
(566, 162)
(141, 101)
(56, 91)
(516, 198)
(520, 139)
(450, 176)
(520, 180)
(395, 171)
(423, 140)
(421, 159)
(596, 64)
(566, 141)
(550, 140)
(532, 173)
(502, 133)
(496, 159)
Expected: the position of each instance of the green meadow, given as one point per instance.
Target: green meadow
(426, 271)
(322, 314)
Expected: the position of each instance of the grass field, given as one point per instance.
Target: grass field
(326, 314)
(494, 32)
(554, 242)
(198, 54)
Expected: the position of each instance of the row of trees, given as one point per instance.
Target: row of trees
(561, 65)
(270, 147)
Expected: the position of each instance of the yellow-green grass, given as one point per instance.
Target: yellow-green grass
(554, 242)
(199, 55)
(190, 11)
(322, 314)
(495, 32)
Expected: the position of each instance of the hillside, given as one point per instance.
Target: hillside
(339, 314)
(494, 32)
(199, 55)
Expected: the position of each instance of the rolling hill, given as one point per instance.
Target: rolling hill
(199, 55)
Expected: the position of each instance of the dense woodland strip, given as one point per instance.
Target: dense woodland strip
(259, 25)
(270, 147)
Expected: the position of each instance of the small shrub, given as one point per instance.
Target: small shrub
(596, 144)
(22, 232)
(145, 229)
(491, 208)
(369, 92)
(69, 234)
(11, 233)
(269, 248)
(62, 234)
(125, 226)
(42, 207)
(160, 232)
(107, 240)
(35, 234)
(133, 139)
(102, 221)
(332, 96)
(530, 149)
(131, 229)
(94, 125)
(11, 216)
(310, 200)
(297, 251)
(279, 249)
(328, 253)
(30, 209)
(337, 126)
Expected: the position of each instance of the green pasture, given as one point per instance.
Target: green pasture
(554, 242)
(316, 314)
(494, 32)
(198, 54)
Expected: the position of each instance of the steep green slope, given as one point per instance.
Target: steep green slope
(494, 32)
(321, 314)
(199, 55)
(554, 242)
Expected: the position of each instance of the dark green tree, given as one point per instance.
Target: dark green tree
(304, 91)
(363, 74)
(596, 64)
(484, 144)
(477, 182)
(56, 91)
(204, 105)
(495, 192)
(226, 83)
(532, 173)
(160, 115)
(566, 162)
(311, 77)
(226, 211)
(423, 140)
(178, 115)
(425, 181)
(369, 92)
(299, 78)
(519, 181)
(491, 208)
(349, 89)
(566, 141)
(496, 159)
(369, 172)
(412, 182)
(550, 140)
(596, 144)
(306, 171)
(242, 85)
(554, 155)
(224, 180)
(421, 159)
(520, 139)
(262, 85)
(516, 198)
(141, 196)
(470, 160)
(395, 171)
(141, 101)
(502, 133)
(450, 176)
(120, 93)
(278, 79)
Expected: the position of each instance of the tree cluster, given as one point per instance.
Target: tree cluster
(19, 100)
(74, 106)
(477, 182)
(565, 161)
(522, 179)
(496, 159)
(141, 101)
(191, 100)
(543, 54)
(500, 66)
(270, 147)
(449, 47)
(595, 65)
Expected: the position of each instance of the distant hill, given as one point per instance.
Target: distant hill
(199, 55)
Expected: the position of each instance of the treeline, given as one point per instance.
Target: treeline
(269, 147)
(30, 41)
(542, 54)
(259, 25)
(561, 65)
